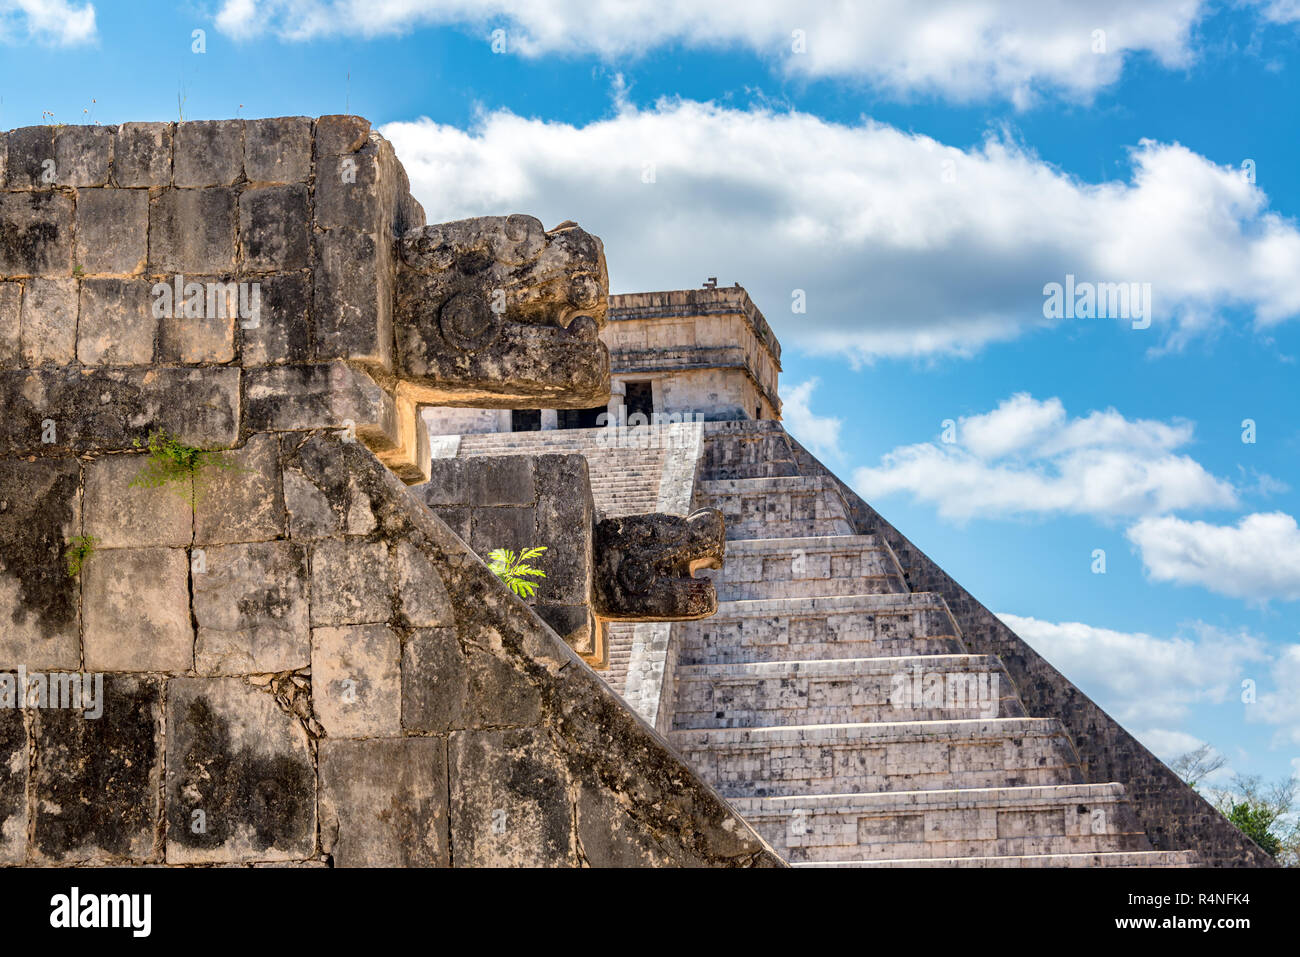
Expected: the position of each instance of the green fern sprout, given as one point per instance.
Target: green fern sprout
(78, 550)
(171, 463)
(514, 570)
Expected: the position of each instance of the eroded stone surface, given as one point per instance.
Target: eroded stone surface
(137, 610)
(509, 801)
(98, 780)
(240, 498)
(250, 602)
(345, 588)
(13, 787)
(240, 784)
(384, 802)
(35, 233)
(120, 513)
(357, 680)
(49, 321)
(39, 513)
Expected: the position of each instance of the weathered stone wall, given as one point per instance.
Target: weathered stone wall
(300, 662)
(1174, 816)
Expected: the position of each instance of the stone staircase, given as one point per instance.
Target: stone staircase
(629, 475)
(840, 713)
(836, 709)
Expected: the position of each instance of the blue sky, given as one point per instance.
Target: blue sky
(920, 173)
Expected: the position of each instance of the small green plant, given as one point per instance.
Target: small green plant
(78, 550)
(514, 570)
(170, 463)
(78, 270)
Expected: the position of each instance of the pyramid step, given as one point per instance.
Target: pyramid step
(899, 756)
(848, 626)
(843, 691)
(795, 507)
(976, 822)
(798, 567)
(1110, 859)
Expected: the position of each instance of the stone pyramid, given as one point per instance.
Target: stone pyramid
(849, 699)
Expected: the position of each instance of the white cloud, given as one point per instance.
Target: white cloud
(1280, 11)
(1280, 704)
(1027, 457)
(953, 48)
(895, 259)
(1257, 559)
(49, 21)
(1167, 744)
(1142, 679)
(820, 433)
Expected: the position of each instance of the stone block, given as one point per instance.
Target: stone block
(502, 480)
(421, 596)
(35, 234)
(611, 837)
(49, 321)
(202, 329)
(112, 231)
(345, 588)
(449, 685)
(208, 153)
(99, 779)
(4, 159)
(275, 229)
(240, 497)
(83, 155)
(103, 409)
(14, 760)
(32, 162)
(448, 483)
(457, 519)
(136, 605)
(573, 623)
(509, 801)
(504, 527)
(566, 515)
(319, 395)
(39, 513)
(122, 515)
(116, 325)
(280, 332)
(278, 150)
(11, 302)
(250, 602)
(192, 231)
(348, 190)
(384, 802)
(142, 154)
(340, 133)
(352, 298)
(322, 494)
(240, 782)
(356, 680)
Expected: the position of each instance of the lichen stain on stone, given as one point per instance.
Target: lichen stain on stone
(35, 509)
(96, 777)
(28, 245)
(267, 793)
(537, 783)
